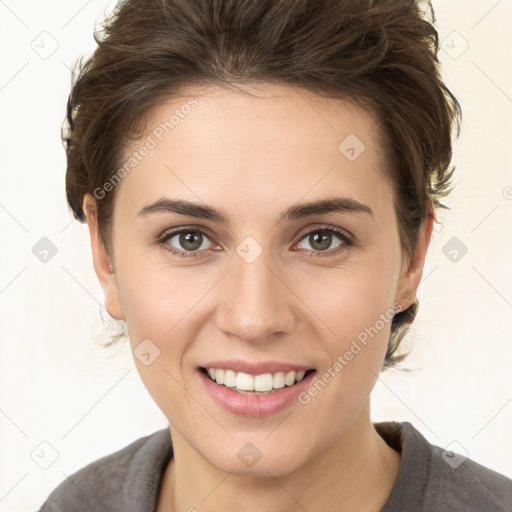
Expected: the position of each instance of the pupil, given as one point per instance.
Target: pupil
(326, 241)
(190, 241)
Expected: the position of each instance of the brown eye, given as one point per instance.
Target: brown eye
(321, 240)
(190, 241)
(185, 242)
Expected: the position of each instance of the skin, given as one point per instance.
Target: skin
(253, 156)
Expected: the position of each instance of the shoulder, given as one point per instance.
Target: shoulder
(433, 479)
(460, 483)
(125, 480)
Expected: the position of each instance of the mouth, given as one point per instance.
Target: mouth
(262, 384)
(254, 389)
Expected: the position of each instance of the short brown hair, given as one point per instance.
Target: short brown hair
(382, 54)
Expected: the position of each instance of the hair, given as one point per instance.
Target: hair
(380, 54)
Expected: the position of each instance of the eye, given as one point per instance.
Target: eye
(193, 242)
(190, 242)
(320, 239)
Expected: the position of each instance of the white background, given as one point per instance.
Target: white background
(60, 386)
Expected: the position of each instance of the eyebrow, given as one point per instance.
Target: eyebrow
(199, 211)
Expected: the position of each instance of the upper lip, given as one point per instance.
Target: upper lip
(256, 368)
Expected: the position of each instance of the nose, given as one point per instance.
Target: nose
(256, 302)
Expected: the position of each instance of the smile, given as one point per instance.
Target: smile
(246, 383)
(254, 396)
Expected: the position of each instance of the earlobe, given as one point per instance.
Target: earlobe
(412, 271)
(103, 265)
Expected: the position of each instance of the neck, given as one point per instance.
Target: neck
(356, 473)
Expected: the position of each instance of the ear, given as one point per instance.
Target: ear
(103, 265)
(412, 271)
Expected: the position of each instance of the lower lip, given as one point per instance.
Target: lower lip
(254, 405)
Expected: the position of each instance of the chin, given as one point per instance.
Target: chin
(262, 467)
(244, 457)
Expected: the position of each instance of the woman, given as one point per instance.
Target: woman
(260, 181)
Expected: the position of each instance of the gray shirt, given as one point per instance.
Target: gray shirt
(429, 479)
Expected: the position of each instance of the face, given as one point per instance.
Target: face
(250, 289)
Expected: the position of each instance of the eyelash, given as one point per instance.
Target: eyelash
(344, 237)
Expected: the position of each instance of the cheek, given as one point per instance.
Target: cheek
(162, 303)
(156, 300)
(354, 296)
(163, 309)
(357, 307)
(155, 314)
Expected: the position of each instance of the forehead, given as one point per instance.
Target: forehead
(268, 143)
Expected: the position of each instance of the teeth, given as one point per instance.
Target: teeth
(289, 378)
(278, 380)
(263, 382)
(218, 375)
(229, 378)
(245, 382)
